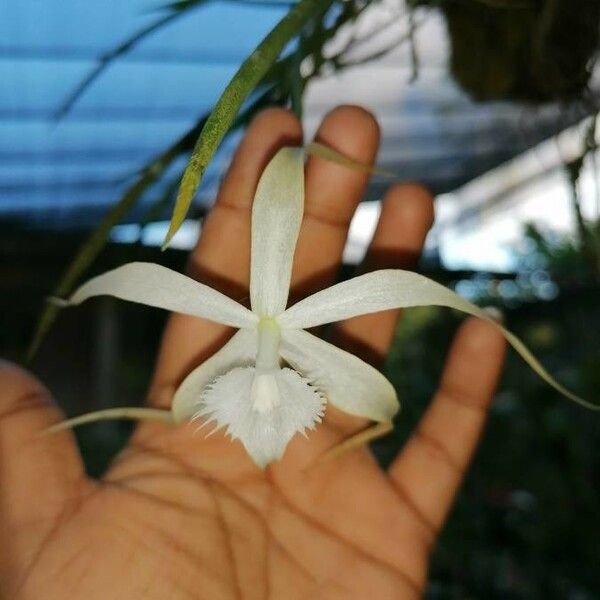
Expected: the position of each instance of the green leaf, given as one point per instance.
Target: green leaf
(157, 208)
(248, 76)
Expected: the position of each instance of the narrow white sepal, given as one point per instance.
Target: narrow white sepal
(239, 351)
(348, 383)
(276, 217)
(155, 285)
(394, 288)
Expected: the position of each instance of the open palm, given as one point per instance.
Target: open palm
(181, 516)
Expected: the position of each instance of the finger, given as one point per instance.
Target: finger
(332, 194)
(406, 217)
(39, 476)
(222, 256)
(430, 468)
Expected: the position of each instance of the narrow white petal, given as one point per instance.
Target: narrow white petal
(372, 292)
(239, 351)
(158, 286)
(264, 428)
(276, 218)
(348, 383)
(393, 288)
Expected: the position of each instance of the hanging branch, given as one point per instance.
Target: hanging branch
(105, 60)
(586, 241)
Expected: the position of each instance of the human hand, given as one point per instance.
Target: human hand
(181, 516)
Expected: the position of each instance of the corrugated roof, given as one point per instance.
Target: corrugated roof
(66, 174)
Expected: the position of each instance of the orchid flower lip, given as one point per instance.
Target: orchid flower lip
(264, 393)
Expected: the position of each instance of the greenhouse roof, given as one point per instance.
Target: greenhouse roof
(65, 173)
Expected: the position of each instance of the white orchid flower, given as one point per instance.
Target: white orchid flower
(273, 379)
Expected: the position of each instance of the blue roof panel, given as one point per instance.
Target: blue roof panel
(68, 173)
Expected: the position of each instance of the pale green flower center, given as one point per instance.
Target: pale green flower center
(264, 393)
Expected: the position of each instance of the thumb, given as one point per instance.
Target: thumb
(39, 476)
